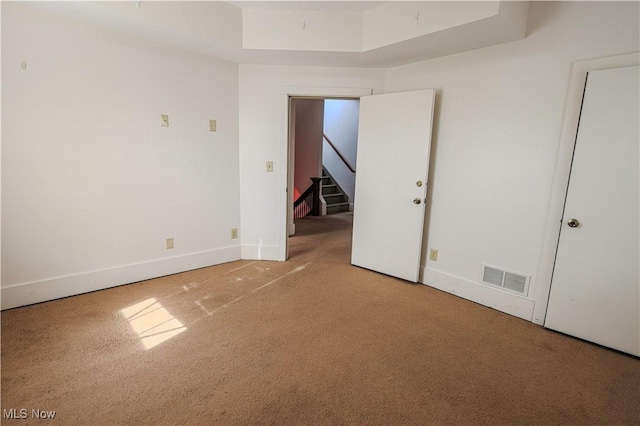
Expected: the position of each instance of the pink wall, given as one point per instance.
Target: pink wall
(309, 117)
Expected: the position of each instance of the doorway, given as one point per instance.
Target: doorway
(395, 129)
(323, 133)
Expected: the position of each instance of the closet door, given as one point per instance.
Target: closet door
(595, 292)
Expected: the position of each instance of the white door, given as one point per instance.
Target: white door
(394, 140)
(595, 292)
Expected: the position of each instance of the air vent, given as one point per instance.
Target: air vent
(515, 282)
(508, 280)
(493, 276)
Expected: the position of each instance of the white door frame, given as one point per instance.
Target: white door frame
(289, 154)
(559, 187)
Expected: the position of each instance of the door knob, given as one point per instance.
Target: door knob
(573, 223)
(417, 201)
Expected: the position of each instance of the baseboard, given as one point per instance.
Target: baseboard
(500, 300)
(71, 285)
(259, 252)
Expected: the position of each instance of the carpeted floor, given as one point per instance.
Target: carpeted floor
(310, 341)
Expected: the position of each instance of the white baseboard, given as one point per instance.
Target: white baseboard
(500, 300)
(71, 285)
(259, 252)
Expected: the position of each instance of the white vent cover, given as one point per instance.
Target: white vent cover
(508, 280)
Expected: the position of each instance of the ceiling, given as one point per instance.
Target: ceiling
(507, 24)
(321, 6)
(219, 28)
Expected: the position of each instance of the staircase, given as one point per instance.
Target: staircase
(337, 200)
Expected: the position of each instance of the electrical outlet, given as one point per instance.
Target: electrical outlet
(234, 233)
(164, 120)
(212, 126)
(433, 255)
(169, 243)
(270, 166)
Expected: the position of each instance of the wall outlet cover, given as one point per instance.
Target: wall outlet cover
(433, 255)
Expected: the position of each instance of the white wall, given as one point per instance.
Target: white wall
(308, 141)
(341, 126)
(91, 184)
(394, 22)
(499, 113)
(301, 30)
(207, 27)
(215, 21)
(263, 137)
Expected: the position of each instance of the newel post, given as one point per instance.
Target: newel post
(315, 211)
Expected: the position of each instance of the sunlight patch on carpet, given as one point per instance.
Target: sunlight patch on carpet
(298, 269)
(152, 322)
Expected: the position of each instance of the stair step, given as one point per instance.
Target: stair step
(337, 208)
(336, 200)
(337, 194)
(330, 188)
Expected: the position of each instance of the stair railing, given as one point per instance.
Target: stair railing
(309, 201)
(344, 160)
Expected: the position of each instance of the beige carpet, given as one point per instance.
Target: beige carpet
(308, 341)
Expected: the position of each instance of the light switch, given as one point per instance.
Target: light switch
(212, 126)
(164, 120)
(270, 166)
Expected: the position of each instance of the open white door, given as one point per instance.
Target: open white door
(595, 293)
(394, 141)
